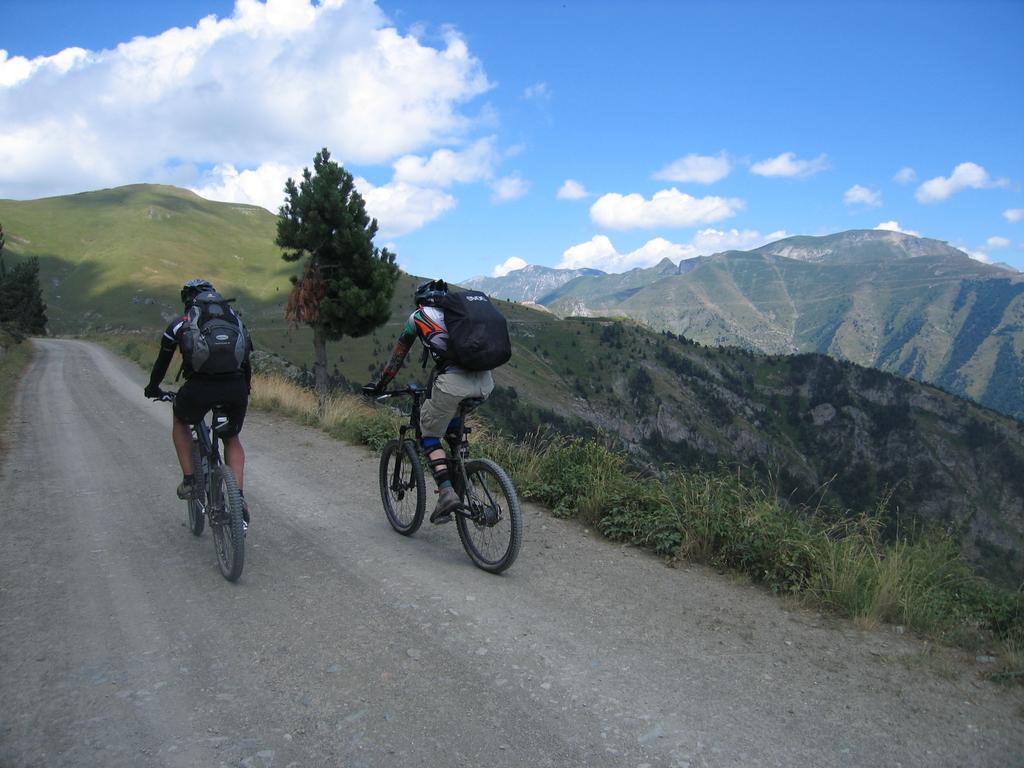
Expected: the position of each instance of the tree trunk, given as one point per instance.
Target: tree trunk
(320, 367)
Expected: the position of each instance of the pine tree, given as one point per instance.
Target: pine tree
(21, 297)
(346, 284)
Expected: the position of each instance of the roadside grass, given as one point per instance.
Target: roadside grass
(345, 417)
(140, 348)
(15, 355)
(920, 582)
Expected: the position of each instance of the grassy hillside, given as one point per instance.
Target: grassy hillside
(117, 257)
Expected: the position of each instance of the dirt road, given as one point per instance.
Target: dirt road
(345, 644)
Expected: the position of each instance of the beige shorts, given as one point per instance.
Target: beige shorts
(448, 391)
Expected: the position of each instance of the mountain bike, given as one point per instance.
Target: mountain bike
(489, 520)
(215, 495)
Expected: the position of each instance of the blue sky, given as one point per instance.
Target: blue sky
(489, 135)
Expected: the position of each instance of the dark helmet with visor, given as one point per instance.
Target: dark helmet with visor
(193, 288)
(431, 292)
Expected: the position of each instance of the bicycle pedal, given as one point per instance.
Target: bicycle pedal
(445, 517)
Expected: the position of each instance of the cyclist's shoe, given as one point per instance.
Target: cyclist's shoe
(447, 500)
(186, 490)
(245, 515)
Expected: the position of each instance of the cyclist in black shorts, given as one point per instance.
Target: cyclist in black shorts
(199, 394)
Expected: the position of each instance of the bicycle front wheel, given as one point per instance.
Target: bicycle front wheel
(491, 525)
(197, 504)
(402, 488)
(226, 522)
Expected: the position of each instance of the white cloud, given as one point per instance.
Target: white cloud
(600, 253)
(270, 84)
(1013, 215)
(509, 188)
(708, 241)
(858, 195)
(19, 69)
(572, 190)
(509, 265)
(263, 186)
(446, 167)
(400, 208)
(981, 252)
(537, 91)
(667, 208)
(894, 226)
(964, 176)
(787, 165)
(700, 169)
(905, 175)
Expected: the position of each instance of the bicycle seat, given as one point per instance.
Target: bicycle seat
(470, 403)
(220, 418)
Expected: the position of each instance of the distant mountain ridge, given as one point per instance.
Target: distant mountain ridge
(527, 284)
(857, 246)
(909, 305)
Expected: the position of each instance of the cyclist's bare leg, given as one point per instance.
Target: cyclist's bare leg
(182, 437)
(234, 457)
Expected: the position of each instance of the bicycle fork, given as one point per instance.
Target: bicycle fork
(397, 486)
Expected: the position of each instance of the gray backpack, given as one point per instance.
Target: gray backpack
(213, 339)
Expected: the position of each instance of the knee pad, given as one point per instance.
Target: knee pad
(454, 426)
(430, 444)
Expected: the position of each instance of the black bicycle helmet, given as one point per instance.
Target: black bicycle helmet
(193, 288)
(431, 292)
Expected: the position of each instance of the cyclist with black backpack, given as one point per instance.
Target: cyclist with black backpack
(215, 348)
(466, 337)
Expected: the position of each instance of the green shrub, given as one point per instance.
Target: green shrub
(574, 476)
(638, 511)
(376, 432)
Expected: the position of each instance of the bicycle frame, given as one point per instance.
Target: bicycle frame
(460, 448)
(206, 436)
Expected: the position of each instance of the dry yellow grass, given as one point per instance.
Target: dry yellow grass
(347, 416)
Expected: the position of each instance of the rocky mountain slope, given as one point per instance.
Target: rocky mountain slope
(821, 432)
(528, 284)
(912, 306)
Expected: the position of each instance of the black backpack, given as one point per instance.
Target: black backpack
(213, 339)
(477, 332)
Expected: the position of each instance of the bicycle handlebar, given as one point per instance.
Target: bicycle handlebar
(408, 389)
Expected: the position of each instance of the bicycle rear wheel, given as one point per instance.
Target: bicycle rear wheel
(197, 504)
(402, 488)
(226, 522)
(491, 525)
